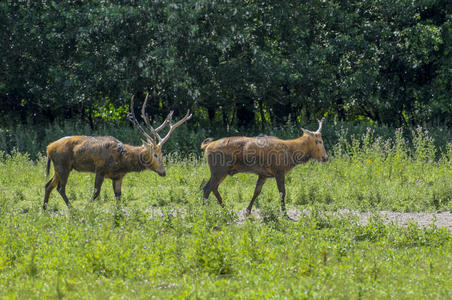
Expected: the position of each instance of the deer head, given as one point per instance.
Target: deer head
(318, 151)
(152, 157)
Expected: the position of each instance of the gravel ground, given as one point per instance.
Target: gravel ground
(423, 219)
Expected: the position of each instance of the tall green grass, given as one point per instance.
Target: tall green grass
(137, 250)
(161, 241)
(367, 173)
(96, 253)
(186, 139)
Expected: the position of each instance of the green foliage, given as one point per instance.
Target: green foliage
(235, 64)
(110, 113)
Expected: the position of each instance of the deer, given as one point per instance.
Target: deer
(266, 156)
(107, 157)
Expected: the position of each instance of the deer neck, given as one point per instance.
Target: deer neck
(134, 158)
(301, 153)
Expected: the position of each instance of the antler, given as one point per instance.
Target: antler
(320, 125)
(154, 132)
(146, 119)
(187, 116)
(133, 119)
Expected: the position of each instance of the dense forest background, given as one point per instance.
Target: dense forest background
(236, 64)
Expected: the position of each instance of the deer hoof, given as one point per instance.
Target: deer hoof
(286, 216)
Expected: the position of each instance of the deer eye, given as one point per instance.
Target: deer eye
(155, 155)
(318, 142)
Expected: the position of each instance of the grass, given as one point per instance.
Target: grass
(160, 241)
(33, 139)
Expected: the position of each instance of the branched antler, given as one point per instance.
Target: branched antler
(133, 119)
(187, 116)
(153, 131)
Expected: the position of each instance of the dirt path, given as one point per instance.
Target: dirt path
(422, 219)
(440, 219)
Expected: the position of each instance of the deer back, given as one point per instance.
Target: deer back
(260, 155)
(93, 154)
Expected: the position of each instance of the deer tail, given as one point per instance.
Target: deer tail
(205, 143)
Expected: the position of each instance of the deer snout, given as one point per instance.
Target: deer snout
(162, 173)
(325, 158)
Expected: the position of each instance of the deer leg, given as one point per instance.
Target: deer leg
(280, 178)
(260, 182)
(215, 185)
(62, 187)
(50, 185)
(212, 186)
(117, 188)
(207, 189)
(218, 196)
(97, 185)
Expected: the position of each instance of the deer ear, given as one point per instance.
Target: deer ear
(146, 145)
(307, 132)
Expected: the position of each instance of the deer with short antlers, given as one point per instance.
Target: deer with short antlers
(268, 157)
(107, 157)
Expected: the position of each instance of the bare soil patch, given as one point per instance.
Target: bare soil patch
(422, 219)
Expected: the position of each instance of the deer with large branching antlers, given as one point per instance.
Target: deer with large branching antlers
(107, 157)
(268, 157)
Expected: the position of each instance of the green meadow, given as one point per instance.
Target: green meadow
(162, 241)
